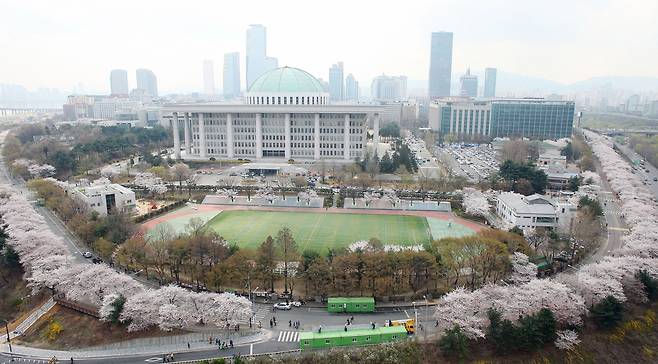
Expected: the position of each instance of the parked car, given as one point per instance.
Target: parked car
(296, 303)
(87, 254)
(282, 306)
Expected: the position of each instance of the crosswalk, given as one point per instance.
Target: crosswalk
(288, 336)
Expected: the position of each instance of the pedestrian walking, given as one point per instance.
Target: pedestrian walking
(289, 323)
(345, 328)
(351, 319)
(271, 324)
(259, 325)
(320, 329)
(188, 345)
(230, 343)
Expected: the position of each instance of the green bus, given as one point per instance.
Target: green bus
(330, 339)
(351, 304)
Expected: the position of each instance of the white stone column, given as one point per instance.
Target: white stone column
(346, 137)
(287, 128)
(259, 135)
(202, 137)
(316, 138)
(174, 126)
(188, 142)
(375, 136)
(229, 135)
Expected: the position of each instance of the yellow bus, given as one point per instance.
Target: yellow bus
(409, 324)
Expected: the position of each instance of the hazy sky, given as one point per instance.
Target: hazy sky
(63, 43)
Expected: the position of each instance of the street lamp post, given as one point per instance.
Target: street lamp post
(415, 314)
(11, 353)
(426, 318)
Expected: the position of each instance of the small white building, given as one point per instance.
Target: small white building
(529, 212)
(104, 198)
(552, 160)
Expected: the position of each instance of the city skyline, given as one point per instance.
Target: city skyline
(548, 47)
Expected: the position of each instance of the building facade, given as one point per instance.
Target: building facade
(257, 60)
(119, 82)
(440, 65)
(490, 82)
(389, 88)
(231, 87)
(208, 77)
(536, 211)
(104, 198)
(467, 118)
(147, 81)
(336, 87)
(468, 85)
(351, 88)
(286, 115)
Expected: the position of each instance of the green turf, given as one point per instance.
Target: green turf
(319, 231)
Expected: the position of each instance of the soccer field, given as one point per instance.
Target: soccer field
(319, 231)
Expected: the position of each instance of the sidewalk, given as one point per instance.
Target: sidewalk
(133, 347)
(30, 320)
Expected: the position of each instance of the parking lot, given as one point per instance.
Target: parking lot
(473, 161)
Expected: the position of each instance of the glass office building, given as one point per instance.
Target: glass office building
(469, 119)
(532, 118)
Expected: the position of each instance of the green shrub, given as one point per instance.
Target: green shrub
(607, 313)
(454, 343)
(650, 284)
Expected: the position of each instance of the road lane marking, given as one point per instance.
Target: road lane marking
(251, 349)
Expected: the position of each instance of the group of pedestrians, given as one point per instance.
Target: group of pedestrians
(272, 322)
(168, 358)
(293, 324)
(221, 345)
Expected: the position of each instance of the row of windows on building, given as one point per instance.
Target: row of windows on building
(286, 100)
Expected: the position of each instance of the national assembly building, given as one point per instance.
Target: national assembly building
(286, 115)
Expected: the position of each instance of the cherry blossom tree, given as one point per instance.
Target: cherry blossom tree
(475, 202)
(523, 270)
(41, 170)
(306, 196)
(228, 193)
(567, 340)
(369, 197)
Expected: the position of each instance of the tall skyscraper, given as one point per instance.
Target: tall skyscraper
(271, 63)
(351, 88)
(257, 60)
(389, 88)
(231, 75)
(147, 81)
(440, 64)
(468, 84)
(336, 87)
(119, 82)
(208, 77)
(489, 82)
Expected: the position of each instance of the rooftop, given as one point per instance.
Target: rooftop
(535, 204)
(286, 79)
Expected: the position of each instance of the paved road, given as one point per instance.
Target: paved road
(651, 185)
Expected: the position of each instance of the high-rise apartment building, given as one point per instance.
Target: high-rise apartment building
(231, 75)
(257, 60)
(351, 88)
(336, 87)
(147, 81)
(208, 77)
(468, 84)
(389, 88)
(490, 82)
(119, 82)
(440, 64)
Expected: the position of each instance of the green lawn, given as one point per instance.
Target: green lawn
(319, 231)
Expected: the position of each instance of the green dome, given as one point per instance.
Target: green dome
(286, 79)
